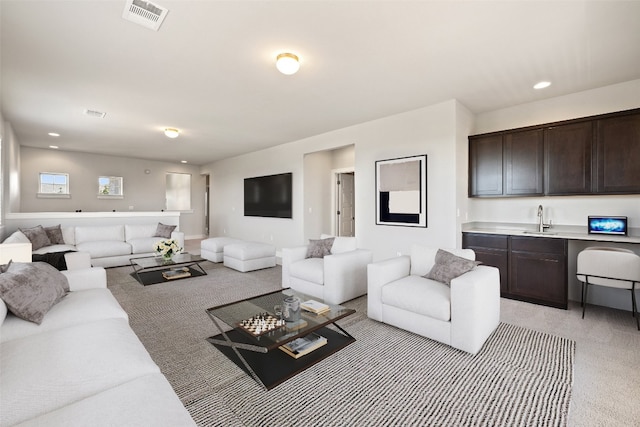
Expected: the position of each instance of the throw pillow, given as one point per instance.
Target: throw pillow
(164, 230)
(37, 236)
(319, 248)
(449, 266)
(54, 234)
(5, 267)
(30, 289)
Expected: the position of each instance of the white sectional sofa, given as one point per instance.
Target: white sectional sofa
(108, 245)
(82, 366)
(462, 314)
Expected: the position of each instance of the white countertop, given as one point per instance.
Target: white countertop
(570, 232)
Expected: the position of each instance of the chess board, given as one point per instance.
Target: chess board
(261, 324)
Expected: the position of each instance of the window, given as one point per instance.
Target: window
(110, 187)
(53, 184)
(178, 191)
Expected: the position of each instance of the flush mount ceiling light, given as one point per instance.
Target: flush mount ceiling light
(541, 85)
(287, 63)
(54, 134)
(171, 132)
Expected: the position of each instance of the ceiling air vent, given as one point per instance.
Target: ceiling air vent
(144, 13)
(94, 113)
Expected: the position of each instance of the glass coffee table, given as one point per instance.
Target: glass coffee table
(259, 356)
(155, 269)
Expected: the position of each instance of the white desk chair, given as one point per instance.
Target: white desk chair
(612, 267)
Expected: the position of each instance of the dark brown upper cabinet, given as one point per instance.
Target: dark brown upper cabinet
(591, 155)
(568, 153)
(523, 163)
(618, 154)
(485, 166)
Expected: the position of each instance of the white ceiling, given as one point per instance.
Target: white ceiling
(210, 72)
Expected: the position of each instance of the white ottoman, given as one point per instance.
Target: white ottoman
(212, 249)
(249, 256)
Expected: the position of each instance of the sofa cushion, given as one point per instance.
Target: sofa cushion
(164, 231)
(17, 237)
(143, 245)
(319, 248)
(100, 233)
(31, 289)
(75, 308)
(342, 244)
(54, 248)
(419, 295)
(448, 266)
(121, 406)
(37, 236)
(54, 233)
(309, 269)
(102, 249)
(45, 372)
(137, 231)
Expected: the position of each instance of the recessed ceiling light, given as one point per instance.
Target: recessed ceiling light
(541, 85)
(54, 134)
(183, 161)
(55, 147)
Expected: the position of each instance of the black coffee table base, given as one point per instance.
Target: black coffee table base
(275, 366)
(155, 276)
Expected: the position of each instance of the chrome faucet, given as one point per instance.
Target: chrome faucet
(541, 225)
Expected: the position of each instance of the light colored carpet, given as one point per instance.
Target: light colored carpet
(387, 377)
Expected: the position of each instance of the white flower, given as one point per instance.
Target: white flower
(167, 247)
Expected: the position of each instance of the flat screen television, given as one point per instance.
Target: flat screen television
(268, 196)
(608, 225)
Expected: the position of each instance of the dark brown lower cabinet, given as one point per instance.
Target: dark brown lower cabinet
(532, 269)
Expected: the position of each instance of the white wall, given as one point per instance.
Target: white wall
(145, 192)
(317, 194)
(10, 169)
(431, 130)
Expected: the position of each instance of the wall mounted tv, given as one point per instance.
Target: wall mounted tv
(268, 196)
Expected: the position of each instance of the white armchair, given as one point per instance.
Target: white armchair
(335, 278)
(461, 315)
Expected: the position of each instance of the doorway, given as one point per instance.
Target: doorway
(345, 204)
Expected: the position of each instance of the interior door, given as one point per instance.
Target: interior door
(346, 205)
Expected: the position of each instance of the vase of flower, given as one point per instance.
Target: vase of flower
(167, 249)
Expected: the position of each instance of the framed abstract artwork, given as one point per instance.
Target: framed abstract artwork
(401, 191)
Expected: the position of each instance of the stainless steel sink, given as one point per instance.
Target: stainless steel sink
(541, 233)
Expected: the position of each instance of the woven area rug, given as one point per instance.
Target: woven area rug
(388, 377)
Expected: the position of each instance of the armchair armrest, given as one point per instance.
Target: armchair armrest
(178, 236)
(86, 278)
(289, 256)
(345, 275)
(475, 307)
(379, 274)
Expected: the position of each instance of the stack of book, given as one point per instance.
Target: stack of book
(305, 345)
(176, 274)
(314, 306)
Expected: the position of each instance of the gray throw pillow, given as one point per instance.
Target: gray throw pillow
(164, 230)
(54, 234)
(449, 266)
(37, 236)
(319, 248)
(5, 267)
(30, 289)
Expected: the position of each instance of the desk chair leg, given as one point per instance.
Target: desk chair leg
(634, 304)
(585, 287)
